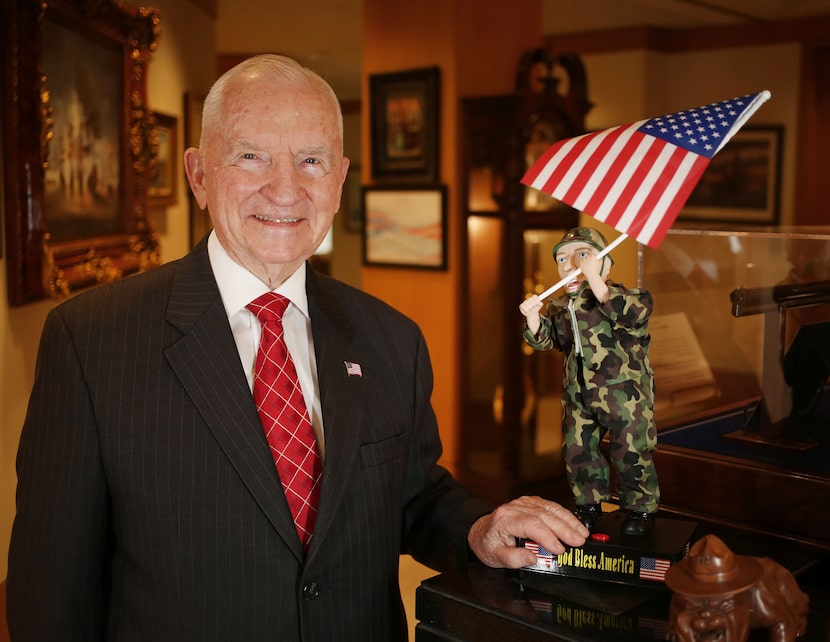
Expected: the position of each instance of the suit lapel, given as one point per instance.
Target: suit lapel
(207, 363)
(341, 397)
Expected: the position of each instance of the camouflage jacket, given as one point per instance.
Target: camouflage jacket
(615, 337)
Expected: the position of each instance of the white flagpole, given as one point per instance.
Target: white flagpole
(578, 271)
(760, 99)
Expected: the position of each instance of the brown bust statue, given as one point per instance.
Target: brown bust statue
(718, 594)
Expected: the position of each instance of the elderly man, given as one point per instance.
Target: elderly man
(232, 446)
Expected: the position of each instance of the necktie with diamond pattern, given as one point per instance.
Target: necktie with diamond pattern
(284, 416)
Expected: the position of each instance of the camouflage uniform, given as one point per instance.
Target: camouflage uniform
(607, 389)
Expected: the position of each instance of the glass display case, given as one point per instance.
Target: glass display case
(741, 356)
(741, 320)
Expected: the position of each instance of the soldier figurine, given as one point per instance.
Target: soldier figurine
(608, 382)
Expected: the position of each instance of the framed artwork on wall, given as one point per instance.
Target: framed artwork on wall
(351, 205)
(162, 188)
(77, 144)
(405, 226)
(742, 182)
(404, 118)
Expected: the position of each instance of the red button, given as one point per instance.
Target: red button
(600, 537)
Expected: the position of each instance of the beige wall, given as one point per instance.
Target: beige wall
(629, 85)
(347, 254)
(184, 61)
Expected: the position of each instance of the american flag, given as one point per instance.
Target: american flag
(545, 560)
(353, 369)
(540, 551)
(652, 568)
(637, 177)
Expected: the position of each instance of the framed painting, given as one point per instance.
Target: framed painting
(162, 188)
(404, 124)
(405, 226)
(742, 182)
(77, 144)
(351, 205)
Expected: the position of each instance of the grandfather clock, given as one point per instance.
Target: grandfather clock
(511, 412)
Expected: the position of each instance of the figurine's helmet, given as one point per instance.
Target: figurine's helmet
(584, 235)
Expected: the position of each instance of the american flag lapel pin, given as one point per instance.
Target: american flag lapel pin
(353, 369)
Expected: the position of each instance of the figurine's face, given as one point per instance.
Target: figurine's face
(724, 618)
(582, 255)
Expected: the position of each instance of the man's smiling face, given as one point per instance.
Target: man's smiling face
(272, 173)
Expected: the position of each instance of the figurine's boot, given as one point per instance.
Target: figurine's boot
(638, 523)
(589, 514)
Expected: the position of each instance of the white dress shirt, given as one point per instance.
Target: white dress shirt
(238, 288)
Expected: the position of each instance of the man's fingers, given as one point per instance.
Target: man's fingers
(493, 537)
(517, 557)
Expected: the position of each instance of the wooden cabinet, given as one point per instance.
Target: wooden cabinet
(511, 410)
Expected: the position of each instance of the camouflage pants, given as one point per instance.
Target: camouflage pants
(625, 412)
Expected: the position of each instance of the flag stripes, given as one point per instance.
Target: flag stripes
(630, 180)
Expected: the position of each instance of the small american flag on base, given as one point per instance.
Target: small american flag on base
(637, 177)
(544, 558)
(652, 568)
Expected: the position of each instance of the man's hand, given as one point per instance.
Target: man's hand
(493, 537)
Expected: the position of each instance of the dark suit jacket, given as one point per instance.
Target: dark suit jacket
(149, 507)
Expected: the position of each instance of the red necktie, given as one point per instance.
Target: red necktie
(282, 410)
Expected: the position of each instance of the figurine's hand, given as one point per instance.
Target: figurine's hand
(589, 264)
(531, 308)
(493, 537)
(591, 267)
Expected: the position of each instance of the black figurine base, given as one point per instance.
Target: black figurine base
(611, 556)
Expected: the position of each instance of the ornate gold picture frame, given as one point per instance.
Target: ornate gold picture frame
(78, 144)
